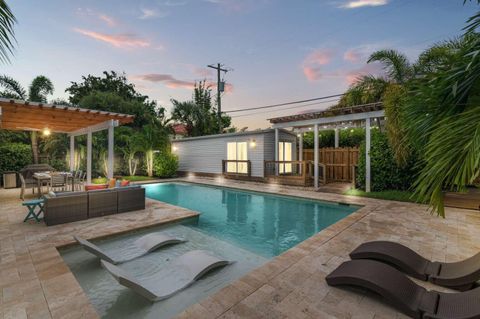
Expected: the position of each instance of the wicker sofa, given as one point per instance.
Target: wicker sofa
(66, 207)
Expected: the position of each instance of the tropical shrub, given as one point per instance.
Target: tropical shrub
(347, 138)
(165, 164)
(386, 174)
(14, 156)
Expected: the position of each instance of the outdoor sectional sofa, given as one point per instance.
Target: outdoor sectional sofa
(66, 207)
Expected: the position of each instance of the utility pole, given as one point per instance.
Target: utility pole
(220, 89)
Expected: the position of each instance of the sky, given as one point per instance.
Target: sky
(275, 51)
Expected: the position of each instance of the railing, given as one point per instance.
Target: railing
(237, 168)
(293, 172)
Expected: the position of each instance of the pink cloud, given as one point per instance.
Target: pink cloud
(171, 82)
(352, 56)
(108, 20)
(128, 41)
(312, 63)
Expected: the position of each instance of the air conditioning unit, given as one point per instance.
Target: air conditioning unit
(9, 180)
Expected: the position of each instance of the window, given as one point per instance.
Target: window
(285, 154)
(237, 151)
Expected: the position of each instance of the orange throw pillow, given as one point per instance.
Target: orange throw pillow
(125, 183)
(97, 186)
(111, 183)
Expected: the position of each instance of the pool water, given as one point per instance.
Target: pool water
(248, 228)
(261, 223)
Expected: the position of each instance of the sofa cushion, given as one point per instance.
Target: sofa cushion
(95, 186)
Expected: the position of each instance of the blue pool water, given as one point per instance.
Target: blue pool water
(264, 224)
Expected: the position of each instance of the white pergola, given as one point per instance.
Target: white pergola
(74, 121)
(336, 119)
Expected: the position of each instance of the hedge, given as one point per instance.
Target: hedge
(347, 138)
(165, 164)
(14, 156)
(385, 173)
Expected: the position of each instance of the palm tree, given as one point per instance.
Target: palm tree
(395, 64)
(38, 90)
(7, 35)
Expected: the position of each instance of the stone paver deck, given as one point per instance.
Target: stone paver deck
(36, 283)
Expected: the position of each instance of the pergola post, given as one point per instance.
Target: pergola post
(315, 156)
(89, 157)
(276, 151)
(367, 155)
(300, 147)
(337, 137)
(111, 154)
(72, 153)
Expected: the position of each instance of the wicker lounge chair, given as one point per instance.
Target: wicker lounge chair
(460, 275)
(181, 273)
(404, 294)
(142, 246)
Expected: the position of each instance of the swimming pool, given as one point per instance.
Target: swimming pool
(262, 223)
(242, 226)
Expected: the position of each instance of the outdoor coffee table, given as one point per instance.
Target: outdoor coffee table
(31, 206)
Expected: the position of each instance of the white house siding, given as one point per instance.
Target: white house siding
(282, 137)
(205, 155)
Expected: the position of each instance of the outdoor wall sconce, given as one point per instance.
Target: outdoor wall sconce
(174, 148)
(46, 131)
(253, 143)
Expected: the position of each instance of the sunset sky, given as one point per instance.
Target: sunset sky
(278, 51)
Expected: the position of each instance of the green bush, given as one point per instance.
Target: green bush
(14, 156)
(385, 173)
(165, 164)
(347, 138)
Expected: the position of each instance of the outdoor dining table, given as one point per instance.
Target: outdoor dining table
(46, 176)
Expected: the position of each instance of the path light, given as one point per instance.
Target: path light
(46, 131)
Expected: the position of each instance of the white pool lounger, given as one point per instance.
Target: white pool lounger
(142, 246)
(178, 275)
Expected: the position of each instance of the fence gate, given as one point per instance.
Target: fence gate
(338, 162)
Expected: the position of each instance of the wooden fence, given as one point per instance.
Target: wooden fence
(338, 162)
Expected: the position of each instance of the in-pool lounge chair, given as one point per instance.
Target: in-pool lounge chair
(178, 275)
(141, 246)
(404, 294)
(460, 275)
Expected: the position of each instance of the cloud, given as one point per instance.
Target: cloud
(125, 41)
(353, 4)
(151, 13)
(353, 56)
(108, 20)
(173, 83)
(312, 63)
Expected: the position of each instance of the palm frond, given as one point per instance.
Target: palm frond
(7, 34)
(394, 63)
(12, 87)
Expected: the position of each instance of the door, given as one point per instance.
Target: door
(285, 155)
(237, 151)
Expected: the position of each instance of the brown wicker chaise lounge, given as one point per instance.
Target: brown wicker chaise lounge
(404, 294)
(460, 275)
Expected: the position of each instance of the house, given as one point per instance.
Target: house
(243, 154)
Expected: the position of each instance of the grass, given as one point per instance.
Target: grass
(401, 196)
(104, 180)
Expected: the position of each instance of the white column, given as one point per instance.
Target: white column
(300, 147)
(337, 137)
(89, 157)
(315, 156)
(367, 155)
(110, 151)
(72, 153)
(276, 150)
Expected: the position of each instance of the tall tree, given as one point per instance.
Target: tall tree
(7, 34)
(38, 90)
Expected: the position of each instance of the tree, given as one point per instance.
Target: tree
(38, 90)
(128, 144)
(7, 34)
(153, 137)
(198, 115)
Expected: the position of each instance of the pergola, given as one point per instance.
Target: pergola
(336, 119)
(74, 121)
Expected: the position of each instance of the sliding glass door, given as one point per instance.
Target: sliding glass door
(285, 155)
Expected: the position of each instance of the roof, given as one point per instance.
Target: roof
(329, 113)
(256, 132)
(32, 116)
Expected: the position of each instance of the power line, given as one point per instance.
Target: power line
(286, 108)
(283, 104)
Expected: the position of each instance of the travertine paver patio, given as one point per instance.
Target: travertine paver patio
(35, 283)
